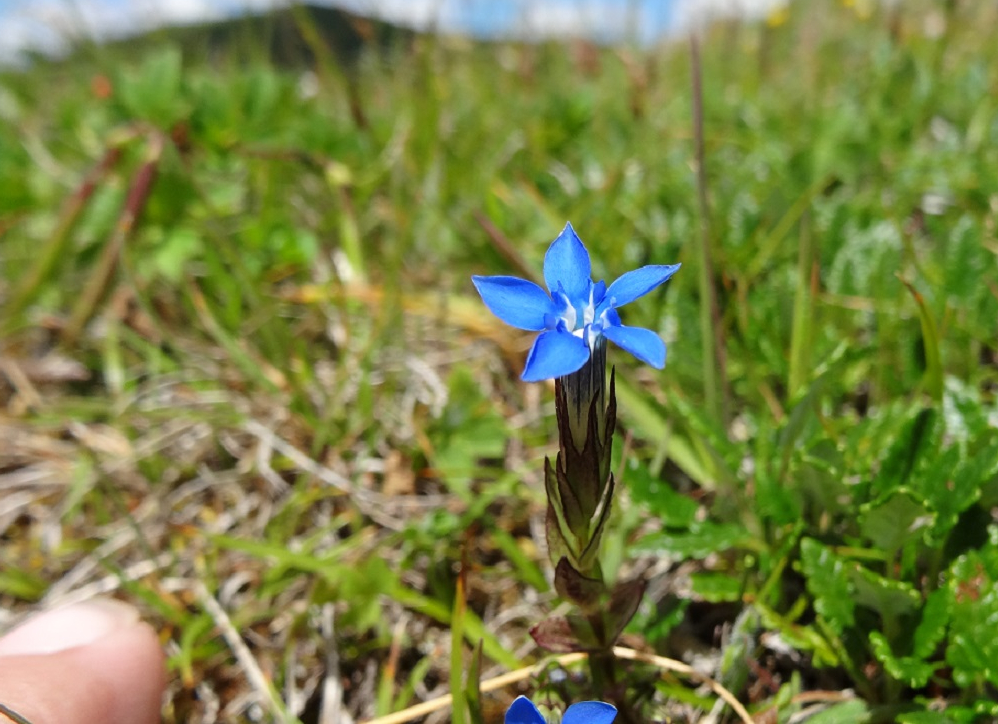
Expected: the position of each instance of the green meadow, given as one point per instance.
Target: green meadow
(246, 382)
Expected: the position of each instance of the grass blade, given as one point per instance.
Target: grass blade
(930, 343)
(459, 707)
(711, 330)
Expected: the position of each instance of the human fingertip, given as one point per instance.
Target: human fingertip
(78, 624)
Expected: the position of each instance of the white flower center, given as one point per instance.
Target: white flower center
(577, 320)
(568, 315)
(582, 322)
(589, 313)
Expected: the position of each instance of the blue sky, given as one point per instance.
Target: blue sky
(46, 24)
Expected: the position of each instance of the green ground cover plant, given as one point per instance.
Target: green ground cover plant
(247, 383)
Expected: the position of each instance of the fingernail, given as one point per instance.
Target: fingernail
(64, 628)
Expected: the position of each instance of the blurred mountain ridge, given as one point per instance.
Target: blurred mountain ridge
(287, 36)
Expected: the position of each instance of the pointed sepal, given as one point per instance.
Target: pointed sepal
(565, 635)
(589, 557)
(573, 586)
(557, 536)
(624, 602)
(555, 635)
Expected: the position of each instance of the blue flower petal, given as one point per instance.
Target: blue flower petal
(555, 354)
(523, 711)
(639, 282)
(642, 343)
(589, 712)
(567, 263)
(599, 291)
(517, 302)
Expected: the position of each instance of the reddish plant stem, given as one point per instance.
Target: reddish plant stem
(98, 283)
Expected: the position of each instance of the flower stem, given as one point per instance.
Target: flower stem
(603, 670)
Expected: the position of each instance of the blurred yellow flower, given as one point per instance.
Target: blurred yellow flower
(778, 16)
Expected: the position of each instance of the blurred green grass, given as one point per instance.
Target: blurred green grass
(243, 359)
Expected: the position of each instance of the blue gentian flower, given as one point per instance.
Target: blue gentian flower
(523, 711)
(574, 314)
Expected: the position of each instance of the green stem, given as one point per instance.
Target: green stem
(803, 315)
(603, 670)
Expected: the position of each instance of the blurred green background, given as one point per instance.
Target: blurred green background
(244, 368)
